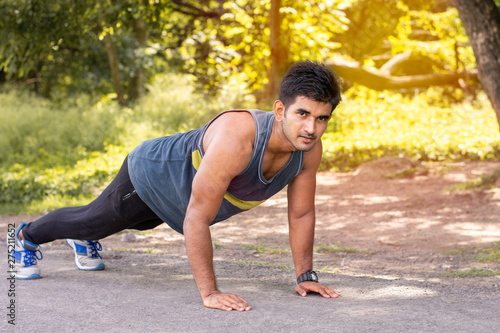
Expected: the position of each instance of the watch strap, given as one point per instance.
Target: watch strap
(310, 275)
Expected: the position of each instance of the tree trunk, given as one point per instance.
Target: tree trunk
(481, 20)
(115, 71)
(276, 51)
(137, 82)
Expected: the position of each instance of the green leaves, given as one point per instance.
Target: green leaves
(369, 125)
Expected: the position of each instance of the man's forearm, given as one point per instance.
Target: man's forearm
(200, 255)
(302, 242)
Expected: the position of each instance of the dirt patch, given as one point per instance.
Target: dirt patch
(390, 167)
(405, 226)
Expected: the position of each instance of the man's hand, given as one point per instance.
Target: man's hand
(308, 286)
(226, 302)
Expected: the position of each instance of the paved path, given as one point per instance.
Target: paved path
(142, 292)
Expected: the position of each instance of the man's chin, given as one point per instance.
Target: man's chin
(305, 147)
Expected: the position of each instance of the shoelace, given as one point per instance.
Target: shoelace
(94, 248)
(31, 257)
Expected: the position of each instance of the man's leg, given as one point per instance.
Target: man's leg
(117, 208)
(147, 225)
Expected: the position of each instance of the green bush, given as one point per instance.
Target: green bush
(370, 125)
(172, 105)
(36, 131)
(23, 184)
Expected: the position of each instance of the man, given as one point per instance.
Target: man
(195, 179)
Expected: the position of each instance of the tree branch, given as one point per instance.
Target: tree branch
(377, 80)
(191, 10)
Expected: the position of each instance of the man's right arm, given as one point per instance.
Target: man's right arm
(228, 148)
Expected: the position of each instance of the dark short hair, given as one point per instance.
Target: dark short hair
(311, 80)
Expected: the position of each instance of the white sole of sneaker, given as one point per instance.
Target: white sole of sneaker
(31, 277)
(99, 267)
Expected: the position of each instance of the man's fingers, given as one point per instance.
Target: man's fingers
(301, 291)
(333, 293)
(226, 302)
(329, 292)
(305, 287)
(233, 302)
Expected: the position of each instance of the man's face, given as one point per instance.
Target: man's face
(305, 121)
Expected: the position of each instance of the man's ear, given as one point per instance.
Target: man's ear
(279, 110)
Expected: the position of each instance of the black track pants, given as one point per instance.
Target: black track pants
(117, 208)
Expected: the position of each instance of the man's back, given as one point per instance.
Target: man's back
(162, 170)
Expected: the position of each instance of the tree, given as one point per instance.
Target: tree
(66, 45)
(278, 52)
(408, 44)
(253, 42)
(481, 19)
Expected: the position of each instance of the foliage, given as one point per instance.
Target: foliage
(73, 149)
(59, 44)
(379, 29)
(237, 43)
(36, 131)
(173, 105)
(369, 125)
(23, 184)
(370, 24)
(439, 37)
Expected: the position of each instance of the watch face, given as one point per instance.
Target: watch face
(314, 276)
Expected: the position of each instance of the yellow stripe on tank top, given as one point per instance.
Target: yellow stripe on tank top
(241, 204)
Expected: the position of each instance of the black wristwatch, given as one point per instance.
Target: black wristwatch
(310, 275)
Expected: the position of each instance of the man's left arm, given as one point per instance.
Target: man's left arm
(301, 220)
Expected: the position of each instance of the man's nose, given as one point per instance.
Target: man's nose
(310, 126)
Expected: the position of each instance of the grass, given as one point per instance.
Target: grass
(327, 270)
(488, 255)
(280, 266)
(263, 248)
(408, 172)
(473, 272)
(340, 249)
(218, 245)
(483, 182)
(247, 263)
(452, 252)
(123, 249)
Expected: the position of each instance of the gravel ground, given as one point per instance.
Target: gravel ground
(148, 292)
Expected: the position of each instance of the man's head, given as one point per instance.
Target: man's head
(311, 80)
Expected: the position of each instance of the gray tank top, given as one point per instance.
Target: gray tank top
(162, 172)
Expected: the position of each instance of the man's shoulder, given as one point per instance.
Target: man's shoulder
(236, 128)
(245, 116)
(236, 122)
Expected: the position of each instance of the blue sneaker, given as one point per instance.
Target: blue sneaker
(26, 256)
(87, 257)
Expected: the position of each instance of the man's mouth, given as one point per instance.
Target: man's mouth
(308, 138)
